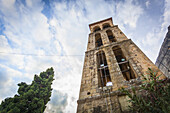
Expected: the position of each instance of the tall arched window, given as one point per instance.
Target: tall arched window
(123, 64)
(110, 36)
(103, 70)
(98, 40)
(97, 28)
(106, 25)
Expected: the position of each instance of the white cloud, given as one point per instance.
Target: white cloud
(8, 4)
(29, 33)
(4, 46)
(128, 13)
(57, 103)
(29, 3)
(147, 3)
(7, 84)
(166, 15)
(71, 25)
(151, 44)
(155, 37)
(65, 33)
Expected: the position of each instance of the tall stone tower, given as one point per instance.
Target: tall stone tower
(163, 59)
(111, 61)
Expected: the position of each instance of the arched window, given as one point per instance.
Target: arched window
(98, 40)
(123, 64)
(110, 36)
(97, 28)
(106, 25)
(103, 70)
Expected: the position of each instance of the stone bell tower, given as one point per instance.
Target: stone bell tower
(111, 61)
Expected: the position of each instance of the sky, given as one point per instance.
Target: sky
(39, 34)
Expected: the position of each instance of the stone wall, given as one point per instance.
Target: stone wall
(163, 59)
(92, 99)
(102, 104)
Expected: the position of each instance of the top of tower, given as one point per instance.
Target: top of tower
(96, 26)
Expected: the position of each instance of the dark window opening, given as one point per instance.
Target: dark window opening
(110, 36)
(96, 29)
(106, 26)
(123, 64)
(88, 93)
(98, 39)
(103, 70)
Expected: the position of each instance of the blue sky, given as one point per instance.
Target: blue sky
(49, 33)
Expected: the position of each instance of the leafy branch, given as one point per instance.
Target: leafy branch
(152, 96)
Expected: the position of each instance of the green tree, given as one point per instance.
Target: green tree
(31, 98)
(152, 96)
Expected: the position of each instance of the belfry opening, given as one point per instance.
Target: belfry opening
(104, 78)
(98, 40)
(112, 61)
(123, 64)
(110, 36)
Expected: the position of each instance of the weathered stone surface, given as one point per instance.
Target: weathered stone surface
(96, 99)
(163, 59)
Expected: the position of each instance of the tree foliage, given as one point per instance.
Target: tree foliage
(30, 98)
(153, 96)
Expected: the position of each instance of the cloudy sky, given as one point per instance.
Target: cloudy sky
(38, 34)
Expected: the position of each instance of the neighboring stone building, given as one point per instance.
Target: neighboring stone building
(163, 60)
(111, 61)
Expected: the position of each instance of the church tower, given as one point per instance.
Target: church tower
(111, 61)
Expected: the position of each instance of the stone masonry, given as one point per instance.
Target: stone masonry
(163, 60)
(95, 97)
